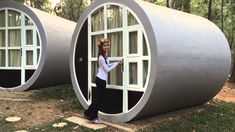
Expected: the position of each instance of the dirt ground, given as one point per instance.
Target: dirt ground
(35, 113)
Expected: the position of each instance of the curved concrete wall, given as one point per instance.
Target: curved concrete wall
(55, 34)
(190, 59)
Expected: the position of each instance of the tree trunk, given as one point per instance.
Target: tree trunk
(209, 10)
(167, 3)
(222, 15)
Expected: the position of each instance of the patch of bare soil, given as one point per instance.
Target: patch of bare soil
(32, 112)
(227, 93)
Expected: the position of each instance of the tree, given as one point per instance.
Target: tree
(70, 9)
(209, 10)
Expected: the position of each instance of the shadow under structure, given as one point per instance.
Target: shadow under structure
(34, 48)
(172, 60)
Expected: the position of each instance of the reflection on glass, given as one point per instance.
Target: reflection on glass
(29, 57)
(28, 21)
(116, 47)
(14, 18)
(94, 70)
(115, 77)
(133, 40)
(38, 53)
(38, 42)
(14, 58)
(2, 18)
(145, 50)
(133, 73)
(97, 20)
(114, 16)
(2, 58)
(14, 37)
(29, 37)
(131, 19)
(94, 48)
(145, 71)
(2, 38)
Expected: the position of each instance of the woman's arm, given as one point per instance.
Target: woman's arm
(106, 67)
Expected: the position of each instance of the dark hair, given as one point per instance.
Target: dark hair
(100, 48)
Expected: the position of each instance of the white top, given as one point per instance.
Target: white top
(105, 68)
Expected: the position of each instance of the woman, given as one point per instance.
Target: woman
(104, 67)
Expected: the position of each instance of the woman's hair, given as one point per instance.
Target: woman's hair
(100, 44)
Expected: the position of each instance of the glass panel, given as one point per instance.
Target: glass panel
(29, 57)
(133, 73)
(38, 42)
(2, 38)
(133, 40)
(14, 18)
(145, 71)
(114, 16)
(2, 58)
(97, 20)
(38, 53)
(145, 50)
(131, 19)
(29, 37)
(116, 47)
(94, 48)
(28, 21)
(14, 58)
(94, 70)
(115, 76)
(14, 38)
(2, 18)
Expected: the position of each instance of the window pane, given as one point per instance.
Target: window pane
(29, 57)
(145, 50)
(2, 38)
(133, 73)
(131, 19)
(28, 21)
(2, 58)
(38, 53)
(114, 16)
(2, 18)
(115, 76)
(94, 70)
(38, 42)
(145, 71)
(133, 46)
(14, 18)
(94, 48)
(14, 58)
(29, 37)
(97, 20)
(14, 37)
(116, 47)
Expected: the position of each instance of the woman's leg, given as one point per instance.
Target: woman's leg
(97, 95)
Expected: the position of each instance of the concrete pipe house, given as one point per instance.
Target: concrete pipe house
(34, 48)
(172, 60)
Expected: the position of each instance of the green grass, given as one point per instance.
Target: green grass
(5, 126)
(219, 118)
(64, 93)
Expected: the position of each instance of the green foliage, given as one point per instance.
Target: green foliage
(221, 117)
(70, 9)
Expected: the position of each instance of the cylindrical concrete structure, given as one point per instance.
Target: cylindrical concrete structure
(189, 59)
(34, 48)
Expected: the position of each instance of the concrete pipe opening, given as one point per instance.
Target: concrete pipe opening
(32, 49)
(172, 60)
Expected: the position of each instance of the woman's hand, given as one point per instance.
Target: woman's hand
(120, 62)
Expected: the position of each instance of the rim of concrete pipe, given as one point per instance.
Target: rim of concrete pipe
(156, 83)
(42, 38)
(148, 29)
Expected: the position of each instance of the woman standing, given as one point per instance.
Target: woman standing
(104, 67)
